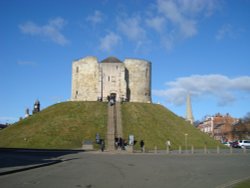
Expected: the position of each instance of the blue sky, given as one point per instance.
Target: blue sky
(201, 47)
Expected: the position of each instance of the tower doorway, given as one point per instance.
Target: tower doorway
(113, 96)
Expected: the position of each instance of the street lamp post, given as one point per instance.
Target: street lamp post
(186, 141)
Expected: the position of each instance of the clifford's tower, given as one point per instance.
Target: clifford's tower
(128, 80)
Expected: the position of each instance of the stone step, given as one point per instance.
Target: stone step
(114, 128)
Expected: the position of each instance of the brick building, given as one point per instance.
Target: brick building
(220, 127)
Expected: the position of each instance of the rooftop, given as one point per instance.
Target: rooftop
(111, 59)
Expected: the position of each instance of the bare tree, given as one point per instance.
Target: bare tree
(247, 117)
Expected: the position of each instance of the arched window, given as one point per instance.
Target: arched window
(77, 69)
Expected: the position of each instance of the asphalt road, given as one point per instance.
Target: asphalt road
(97, 170)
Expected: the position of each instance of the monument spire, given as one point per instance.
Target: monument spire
(189, 113)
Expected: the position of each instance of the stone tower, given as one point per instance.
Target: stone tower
(112, 78)
(129, 80)
(189, 113)
(138, 79)
(85, 79)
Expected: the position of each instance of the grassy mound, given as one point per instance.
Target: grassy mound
(244, 184)
(68, 124)
(155, 125)
(63, 125)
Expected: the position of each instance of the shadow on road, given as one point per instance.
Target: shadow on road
(11, 157)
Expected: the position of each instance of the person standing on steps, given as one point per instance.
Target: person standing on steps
(102, 145)
(168, 144)
(142, 145)
(116, 143)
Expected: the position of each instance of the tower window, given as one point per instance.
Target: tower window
(77, 69)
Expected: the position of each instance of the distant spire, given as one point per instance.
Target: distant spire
(189, 113)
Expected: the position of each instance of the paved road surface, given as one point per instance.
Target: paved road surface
(97, 170)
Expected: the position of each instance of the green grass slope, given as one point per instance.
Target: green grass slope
(155, 125)
(63, 125)
(67, 124)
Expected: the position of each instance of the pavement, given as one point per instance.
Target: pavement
(76, 168)
(17, 160)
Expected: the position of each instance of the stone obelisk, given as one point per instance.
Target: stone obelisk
(189, 113)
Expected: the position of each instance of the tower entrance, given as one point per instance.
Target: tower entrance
(113, 96)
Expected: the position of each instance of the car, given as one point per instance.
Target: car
(227, 144)
(244, 143)
(235, 144)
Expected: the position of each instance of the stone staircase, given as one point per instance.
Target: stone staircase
(114, 128)
(118, 120)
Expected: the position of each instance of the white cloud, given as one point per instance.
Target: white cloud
(26, 63)
(188, 28)
(168, 41)
(58, 23)
(174, 14)
(182, 17)
(225, 31)
(96, 18)
(156, 23)
(131, 28)
(109, 42)
(51, 30)
(134, 30)
(172, 21)
(221, 87)
(194, 7)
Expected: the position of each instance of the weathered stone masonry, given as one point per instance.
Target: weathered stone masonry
(129, 80)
